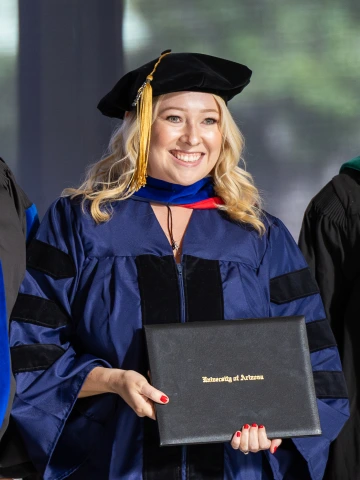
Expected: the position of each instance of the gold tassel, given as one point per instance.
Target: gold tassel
(143, 102)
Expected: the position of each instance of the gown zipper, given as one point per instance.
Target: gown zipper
(183, 320)
(182, 292)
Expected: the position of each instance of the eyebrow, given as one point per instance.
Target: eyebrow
(185, 110)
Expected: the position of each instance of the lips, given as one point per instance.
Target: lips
(187, 157)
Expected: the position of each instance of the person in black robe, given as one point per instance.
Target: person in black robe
(18, 221)
(330, 242)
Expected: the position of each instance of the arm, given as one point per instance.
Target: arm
(64, 394)
(49, 369)
(329, 241)
(293, 292)
(130, 385)
(323, 241)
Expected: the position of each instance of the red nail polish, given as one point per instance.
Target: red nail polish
(238, 434)
(164, 399)
(254, 425)
(275, 448)
(261, 426)
(246, 426)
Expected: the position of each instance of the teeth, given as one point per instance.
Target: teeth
(187, 157)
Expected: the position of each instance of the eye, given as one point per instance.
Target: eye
(210, 121)
(173, 118)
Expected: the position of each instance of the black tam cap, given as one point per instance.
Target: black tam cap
(176, 72)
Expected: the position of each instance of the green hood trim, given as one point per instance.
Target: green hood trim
(354, 164)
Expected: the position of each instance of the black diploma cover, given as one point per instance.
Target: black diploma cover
(222, 375)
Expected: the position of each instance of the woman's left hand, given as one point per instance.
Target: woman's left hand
(253, 439)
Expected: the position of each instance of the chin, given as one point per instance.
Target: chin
(185, 183)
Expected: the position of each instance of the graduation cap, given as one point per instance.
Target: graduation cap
(171, 72)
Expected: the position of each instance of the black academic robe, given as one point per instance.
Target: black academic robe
(18, 220)
(330, 242)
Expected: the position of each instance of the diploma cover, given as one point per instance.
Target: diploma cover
(221, 375)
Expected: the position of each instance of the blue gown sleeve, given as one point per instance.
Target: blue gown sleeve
(293, 291)
(49, 365)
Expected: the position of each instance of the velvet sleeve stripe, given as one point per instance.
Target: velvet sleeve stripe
(32, 222)
(330, 384)
(4, 352)
(291, 286)
(28, 358)
(50, 260)
(320, 335)
(39, 311)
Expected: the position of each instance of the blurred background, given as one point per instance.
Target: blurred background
(300, 115)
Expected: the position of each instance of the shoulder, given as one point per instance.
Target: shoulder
(74, 209)
(72, 216)
(346, 186)
(80, 208)
(278, 236)
(338, 200)
(273, 224)
(327, 205)
(13, 201)
(61, 219)
(60, 208)
(8, 182)
(276, 240)
(274, 228)
(7, 187)
(5, 173)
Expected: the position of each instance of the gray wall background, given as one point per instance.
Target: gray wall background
(300, 114)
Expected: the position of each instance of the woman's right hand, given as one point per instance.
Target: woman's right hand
(130, 385)
(136, 391)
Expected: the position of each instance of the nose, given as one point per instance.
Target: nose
(190, 134)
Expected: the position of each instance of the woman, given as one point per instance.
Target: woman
(187, 243)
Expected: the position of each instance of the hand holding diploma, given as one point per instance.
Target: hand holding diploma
(132, 387)
(253, 439)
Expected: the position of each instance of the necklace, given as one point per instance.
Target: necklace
(173, 244)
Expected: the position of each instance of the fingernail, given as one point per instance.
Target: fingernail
(275, 448)
(261, 426)
(164, 399)
(238, 434)
(254, 425)
(246, 426)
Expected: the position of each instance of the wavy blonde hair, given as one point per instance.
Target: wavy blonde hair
(108, 180)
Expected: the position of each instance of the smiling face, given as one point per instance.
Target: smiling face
(185, 138)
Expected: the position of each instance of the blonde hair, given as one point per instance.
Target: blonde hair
(109, 179)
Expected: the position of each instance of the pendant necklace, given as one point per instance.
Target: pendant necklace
(173, 244)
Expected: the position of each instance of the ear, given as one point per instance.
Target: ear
(127, 114)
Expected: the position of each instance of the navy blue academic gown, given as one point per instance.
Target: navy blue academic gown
(87, 293)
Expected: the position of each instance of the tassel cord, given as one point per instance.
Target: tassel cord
(173, 244)
(143, 103)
